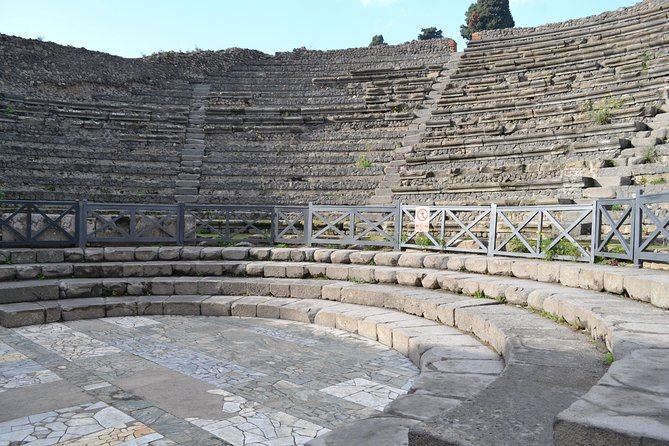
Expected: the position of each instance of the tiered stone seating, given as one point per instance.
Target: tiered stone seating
(313, 126)
(516, 121)
(407, 300)
(105, 151)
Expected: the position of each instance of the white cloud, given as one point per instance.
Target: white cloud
(377, 2)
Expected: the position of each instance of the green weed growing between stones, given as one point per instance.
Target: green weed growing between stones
(608, 358)
(363, 162)
(649, 155)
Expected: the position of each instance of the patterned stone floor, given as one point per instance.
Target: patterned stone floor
(164, 380)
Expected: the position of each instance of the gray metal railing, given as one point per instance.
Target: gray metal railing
(633, 230)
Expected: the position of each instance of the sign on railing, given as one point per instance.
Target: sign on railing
(454, 228)
(635, 229)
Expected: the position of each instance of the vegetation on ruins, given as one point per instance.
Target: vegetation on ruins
(430, 33)
(363, 162)
(649, 155)
(377, 40)
(601, 111)
(9, 110)
(486, 14)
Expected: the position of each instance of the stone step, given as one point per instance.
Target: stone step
(186, 190)
(612, 181)
(186, 198)
(181, 184)
(599, 192)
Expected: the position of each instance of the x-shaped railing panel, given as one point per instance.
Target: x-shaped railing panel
(130, 223)
(38, 223)
(347, 225)
(228, 223)
(653, 228)
(290, 224)
(545, 218)
(614, 215)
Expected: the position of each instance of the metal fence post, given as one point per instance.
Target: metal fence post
(595, 231)
(181, 223)
(82, 222)
(637, 230)
(308, 225)
(273, 226)
(492, 230)
(397, 235)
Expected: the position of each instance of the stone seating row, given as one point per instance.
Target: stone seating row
(613, 23)
(630, 282)
(610, 318)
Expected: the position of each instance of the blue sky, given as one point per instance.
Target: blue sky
(132, 28)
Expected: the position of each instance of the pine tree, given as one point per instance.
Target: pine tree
(430, 33)
(377, 40)
(486, 14)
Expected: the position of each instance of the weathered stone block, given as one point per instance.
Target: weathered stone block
(150, 305)
(260, 253)
(362, 257)
(361, 274)
(524, 269)
(22, 256)
(232, 287)
(169, 253)
(410, 278)
(162, 286)
(186, 285)
(500, 267)
(122, 254)
(185, 305)
(316, 270)
(21, 314)
(322, 255)
(280, 254)
(337, 272)
(331, 291)
(341, 256)
(305, 290)
(456, 263)
(591, 279)
(147, 253)
(436, 261)
(255, 269)
(211, 253)
(156, 269)
(89, 308)
(279, 289)
(217, 305)
(49, 256)
(94, 254)
(191, 252)
(274, 271)
(569, 275)
(613, 282)
(385, 275)
(297, 255)
(295, 271)
(209, 286)
(548, 272)
(27, 272)
(73, 254)
(247, 306)
(271, 308)
(121, 306)
(387, 258)
(478, 264)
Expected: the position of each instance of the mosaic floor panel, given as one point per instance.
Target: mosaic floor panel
(161, 380)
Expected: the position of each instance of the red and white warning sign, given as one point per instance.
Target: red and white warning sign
(422, 220)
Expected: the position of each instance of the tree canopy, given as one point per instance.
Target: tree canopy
(377, 40)
(486, 14)
(430, 33)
